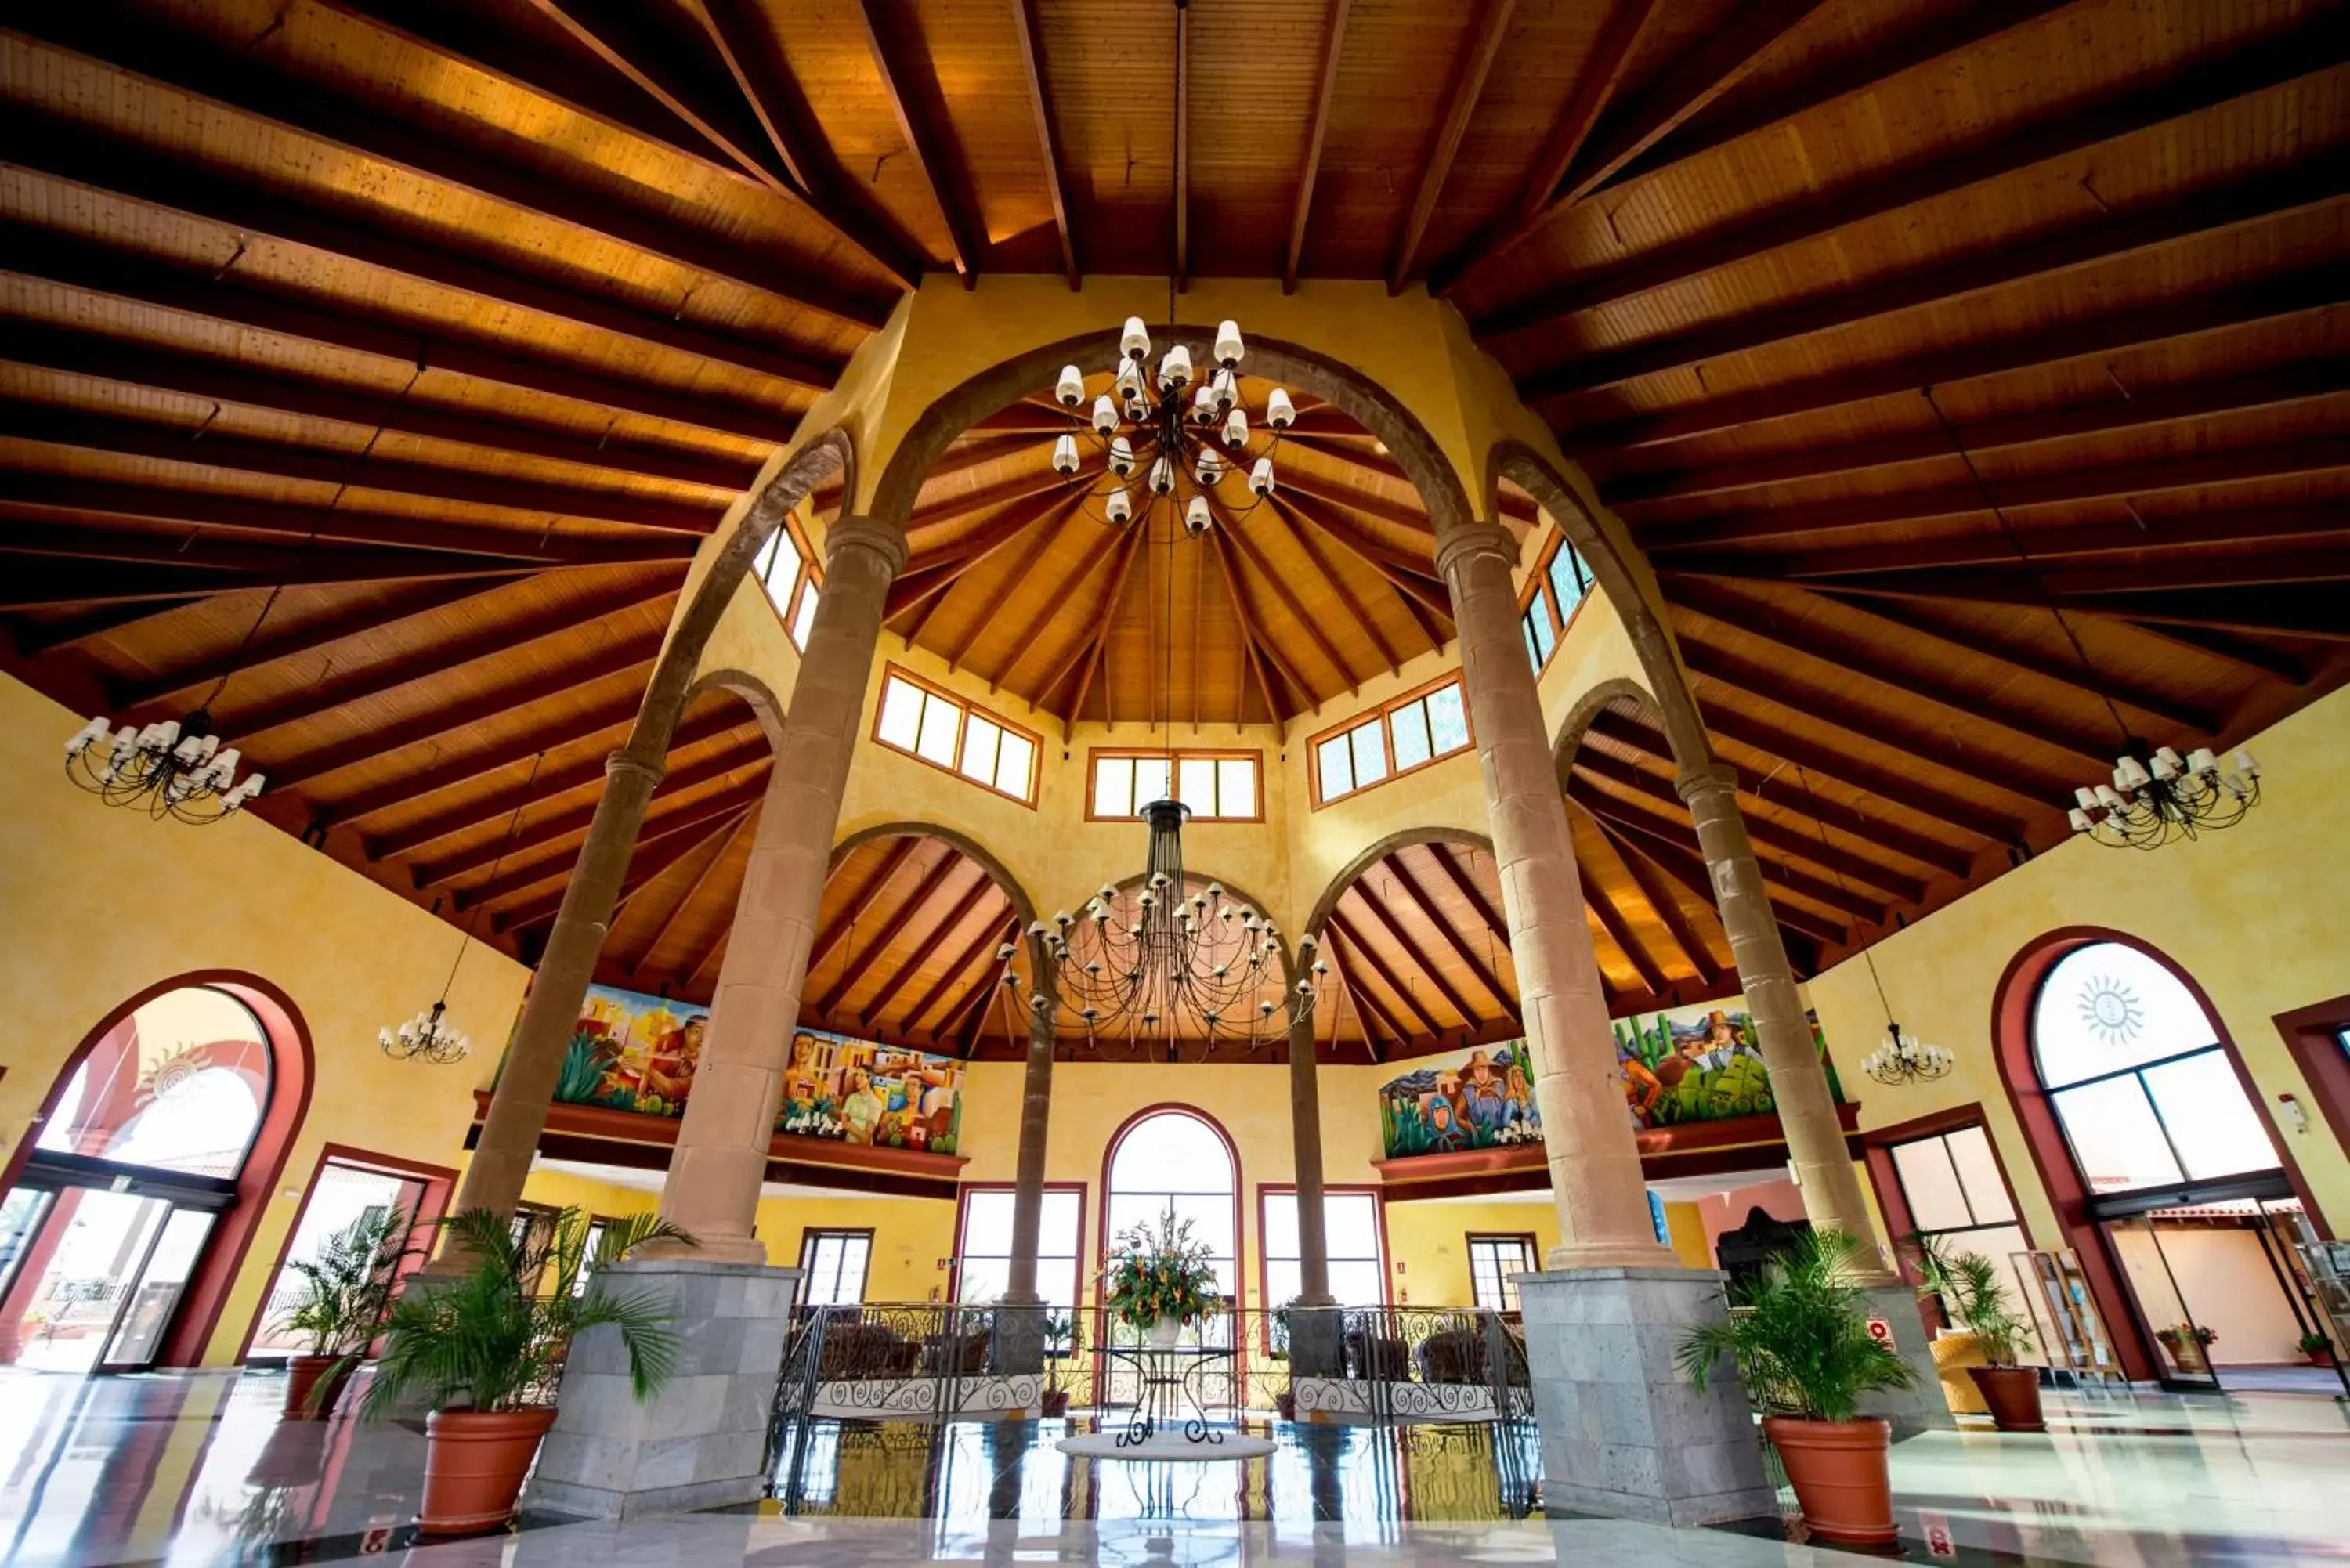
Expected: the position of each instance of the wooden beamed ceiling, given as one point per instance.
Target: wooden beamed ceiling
(1971, 373)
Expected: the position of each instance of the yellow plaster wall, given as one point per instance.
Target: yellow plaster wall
(1428, 1245)
(1685, 1226)
(102, 903)
(2255, 914)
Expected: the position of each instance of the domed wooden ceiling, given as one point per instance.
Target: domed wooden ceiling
(447, 328)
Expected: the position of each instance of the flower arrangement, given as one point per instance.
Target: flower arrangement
(1158, 1273)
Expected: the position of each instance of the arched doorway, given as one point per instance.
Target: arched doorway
(1172, 1159)
(130, 1205)
(2160, 1158)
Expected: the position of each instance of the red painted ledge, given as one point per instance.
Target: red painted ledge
(1656, 1144)
(604, 1123)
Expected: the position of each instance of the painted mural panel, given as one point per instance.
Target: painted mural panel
(1687, 1064)
(637, 1052)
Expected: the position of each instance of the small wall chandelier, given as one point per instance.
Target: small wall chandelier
(1154, 428)
(1900, 1059)
(176, 768)
(2157, 796)
(426, 1037)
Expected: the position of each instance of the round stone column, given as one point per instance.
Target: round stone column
(1595, 1166)
(712, 1190)
(1035, 1126)
(1799, 1080)
(1306, 1133)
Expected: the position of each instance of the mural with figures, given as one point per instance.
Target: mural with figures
(1685, 1065)
(637, 1052)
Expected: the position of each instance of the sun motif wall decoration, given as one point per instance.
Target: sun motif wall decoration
(170, 1074)
(2111, 1009)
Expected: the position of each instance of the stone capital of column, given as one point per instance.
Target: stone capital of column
(1476, 538)
(621, 761)
(1708, 778)
(886, 544)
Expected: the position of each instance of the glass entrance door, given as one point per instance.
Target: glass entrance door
(77, 1264)
(2183, 1344)
(154, 1291)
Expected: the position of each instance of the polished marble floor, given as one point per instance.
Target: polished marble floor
(196, 1469)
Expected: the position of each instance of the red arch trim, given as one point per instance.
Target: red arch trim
(2044, 1137)
(294, 1065)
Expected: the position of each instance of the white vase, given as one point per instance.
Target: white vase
(1163, 1333)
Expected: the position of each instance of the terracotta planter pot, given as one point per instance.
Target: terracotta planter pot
(2013, 1395)
(305, 1374)
(1056, 1401)
(1838, 1470)
(2320, 1357)
(473, 1467)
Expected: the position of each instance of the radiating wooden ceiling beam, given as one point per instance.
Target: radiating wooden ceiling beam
(232, 564)
(169, 368)
(1060, 593)
(1619, 931)
(832, 933)
(856, 965)
(1416, 580)
(1048, 141)
(2246, 653)
(1684, 865)
(1250, 635)
(1648, 743)
(215, 294)
(1367, 1005)
(741, 33)
(1098, 643)
(32, 639)
(70, 582)
(1297, 479)
(2270, 62)
(193, 442)
(1655, 887)
(2130, 325)
(2118, 482)
(1488, 913)
(1048, 529)
(653, 857)
(990, 937)
(2256, 568)
(1484, 42)
(939, 928)
(2138, 232)
(1504, 1001)
(1317, 129)
(1377, 966)
(2120, 409)
(693, 890)
(183, 63)
(1299, 617)
(893, 34)
(1471, 1018)
(2288, 609)
(74, 152)
(714, 951)
(1180, 264)
(753, 759)
(929, 576)
(1367, 623)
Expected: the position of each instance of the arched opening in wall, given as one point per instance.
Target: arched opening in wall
(130, 1202)
(1173, 1164)
(1418, 949)
(2172, 1182)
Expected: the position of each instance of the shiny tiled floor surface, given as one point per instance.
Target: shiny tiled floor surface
(195, 1469)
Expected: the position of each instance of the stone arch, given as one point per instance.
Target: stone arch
(963, 844)
(1376, 410)
(1587, 707)
(756, 694)
(1667, 685)
(1373, 854)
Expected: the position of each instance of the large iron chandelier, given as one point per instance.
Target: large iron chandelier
(2157, 796)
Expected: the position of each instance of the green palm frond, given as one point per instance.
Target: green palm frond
(1976, 1298)
(1797, 1334)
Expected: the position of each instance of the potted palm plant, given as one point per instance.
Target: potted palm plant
(484, 1349)
(343, 1294)
(2318, 1348)
(1159, 1278)
(1064, 1338)
(1972, 1292)
(1798, 1332)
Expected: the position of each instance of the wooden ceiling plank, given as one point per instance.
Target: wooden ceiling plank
(966, 1023)
(1468, 86)
(103, 584)
(2277, 611)
(2272, 62)
(878, 1006)
(1064, 591)
(1471, 1018)
(2245, 653)
(75, 154)
(1619, 931)
(217, 296)
(322, 633)
(211, 555)
(159, 366)
(715, 952)
(516, 875)
(1470, 958)
(893, 35)
(1095, 643)
(32, 639)
(1299, 481)
(1366, 623)
(653, 858)
(1249, 632)
(1366, 1006)
(1317, 130)
(1179, 264)
(857, 965)
(2126, 328)
(693, 890)
(935, 574)
(1279, 582)
(2138, 233)
(1653, 887)
(1048, 141)
(1048, 530)
(754, 759)
(831, 935)
(990, 937)
(1377, 966)
(185, 63)
(1466, 886)
(1669, 817)
(1685, 866)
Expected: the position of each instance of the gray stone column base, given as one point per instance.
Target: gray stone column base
(1623, 1433)
(1921, 1407)
(700, 1442)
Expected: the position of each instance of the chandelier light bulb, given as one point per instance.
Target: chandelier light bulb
(1135, 341)
(1196, 516)
(1261, 476)
(1064, 454)
(1122, 457)
(1162, 477)
(1228, 344)
(1175, 368)
(1236, 429)
(1118, 506)
(1210, 470)
(1279, 411)
(1204, 405)
(1104, 415)
(1071, 388)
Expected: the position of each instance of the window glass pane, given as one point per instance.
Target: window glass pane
(979, 745)
(2209, 1118)
(1283, 1281)
(1195, 784)
(780, 566)
(985, 1279)
(1447, 723)
(1567, 580)
(1056, 1235)
(1236, 787)
(987, 1224)
(1150, 780)
(1358, 1282)
(1539, 637)
(1015, 765)
(762, 565)
(1370, 755)
(1113, 786)
(1352, 1220)
(803, 617)
(2114, 1138)
(1928, 1181)
(1056, 1280)
(2109, 1006)
(941, 722)
(901, 714)
(1334, 760)
(1408, 724)
(1281, 1224)
(199, 1121)
(1534, 649)
(1979, 1174)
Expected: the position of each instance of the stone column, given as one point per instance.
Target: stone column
(1314, 1327)
(1020, 1326)
(1595, 1166)
(526, 1086)
(712, 1190)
